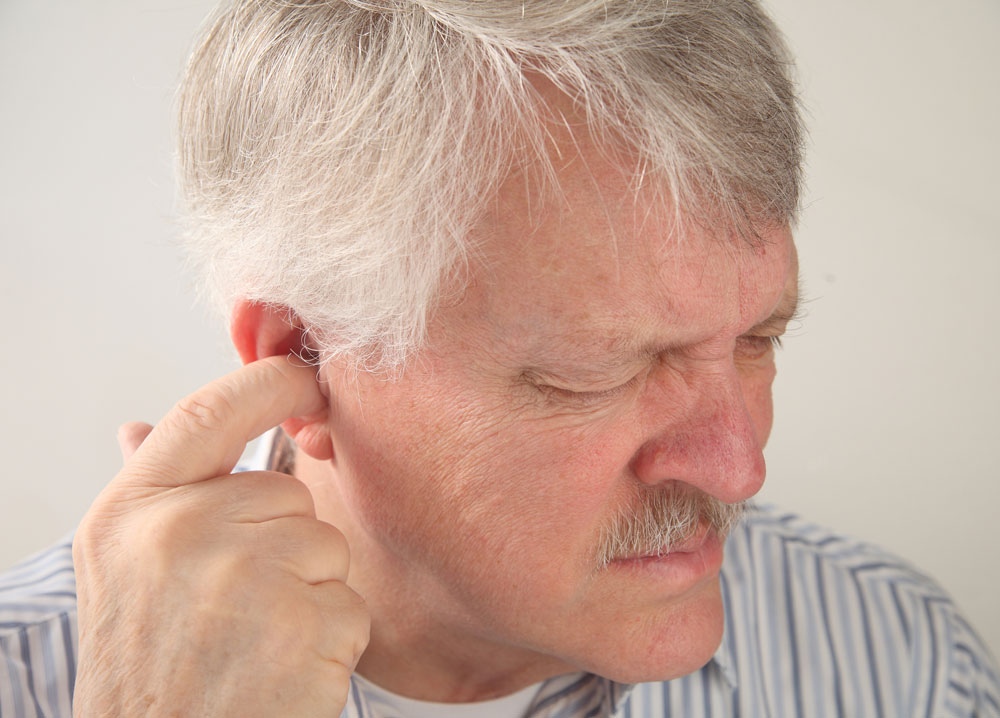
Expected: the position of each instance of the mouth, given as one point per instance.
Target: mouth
(693, 559)
(694, 542)
(664, 523)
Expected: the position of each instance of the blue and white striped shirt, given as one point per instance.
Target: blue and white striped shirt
(816, 625)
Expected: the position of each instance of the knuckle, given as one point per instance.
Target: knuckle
(208, 409)
(255, 489)
(362, 634)
(358, 607)
(345, 622)
(357, 630)
(162, 527)
(364, 631)
(334, 541)
(290, 627)
(294, 489)
(242, 496)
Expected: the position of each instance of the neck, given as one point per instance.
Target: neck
(422, 645)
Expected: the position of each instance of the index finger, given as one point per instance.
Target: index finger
(205, 433)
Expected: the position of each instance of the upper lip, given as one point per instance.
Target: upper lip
(689, 545)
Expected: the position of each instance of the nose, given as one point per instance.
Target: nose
(702, 434)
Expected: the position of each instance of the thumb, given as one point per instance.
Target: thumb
(130, 436)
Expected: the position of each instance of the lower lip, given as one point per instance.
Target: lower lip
(680, 567)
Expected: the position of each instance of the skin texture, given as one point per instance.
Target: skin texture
(595, 349)
(472, 489)
(203, 593)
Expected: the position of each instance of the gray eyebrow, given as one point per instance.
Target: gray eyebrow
(788, 310)
(622, 350)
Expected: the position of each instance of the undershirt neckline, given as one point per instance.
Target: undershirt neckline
(391, 705)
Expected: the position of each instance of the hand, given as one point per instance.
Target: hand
(202, 593)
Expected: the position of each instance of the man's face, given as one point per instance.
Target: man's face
(594, 356)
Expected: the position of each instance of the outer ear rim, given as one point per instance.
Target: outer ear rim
(260, 330)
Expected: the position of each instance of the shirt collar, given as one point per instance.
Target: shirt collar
(618, 693)
(723, 658)
(593, 691)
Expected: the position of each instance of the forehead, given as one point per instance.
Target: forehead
(602, 263)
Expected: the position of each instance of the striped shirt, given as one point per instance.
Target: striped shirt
(816, 625)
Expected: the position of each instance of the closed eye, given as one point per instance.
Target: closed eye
(588, 398)
(752, 348)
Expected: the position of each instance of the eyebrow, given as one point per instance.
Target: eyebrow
(622, 350)
(788, 310)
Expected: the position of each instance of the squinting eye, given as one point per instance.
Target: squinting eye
(592, 397)
(752, 348)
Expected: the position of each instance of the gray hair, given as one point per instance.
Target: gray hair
(661, 518)
(334, 154)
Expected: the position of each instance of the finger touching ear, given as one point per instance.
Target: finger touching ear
(262, 330)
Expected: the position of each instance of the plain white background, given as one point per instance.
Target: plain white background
(888, 401)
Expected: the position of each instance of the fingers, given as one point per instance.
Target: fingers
(277, 521)
(311, 551)
(130, 436)
(345, 623)
(204, 434)
(247, 497)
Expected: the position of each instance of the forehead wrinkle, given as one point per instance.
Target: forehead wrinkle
(784, 309)
(602, 344)
(683, 284)
(572, 311)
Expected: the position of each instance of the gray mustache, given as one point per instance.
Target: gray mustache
(662, 517)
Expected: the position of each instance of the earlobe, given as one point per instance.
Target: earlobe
(311, 434)
(263, 330)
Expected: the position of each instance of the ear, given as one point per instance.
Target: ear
(263, 330)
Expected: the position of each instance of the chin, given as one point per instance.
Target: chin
(662, 645)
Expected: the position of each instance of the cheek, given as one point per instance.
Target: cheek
(396, 453)
(532, 502)
(476, 493)
(529, 491)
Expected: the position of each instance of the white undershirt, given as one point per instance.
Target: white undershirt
(389, 705)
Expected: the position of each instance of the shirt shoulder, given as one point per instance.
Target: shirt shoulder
(38, 634)
(822, 624)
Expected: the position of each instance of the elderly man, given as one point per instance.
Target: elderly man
(509, 276)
